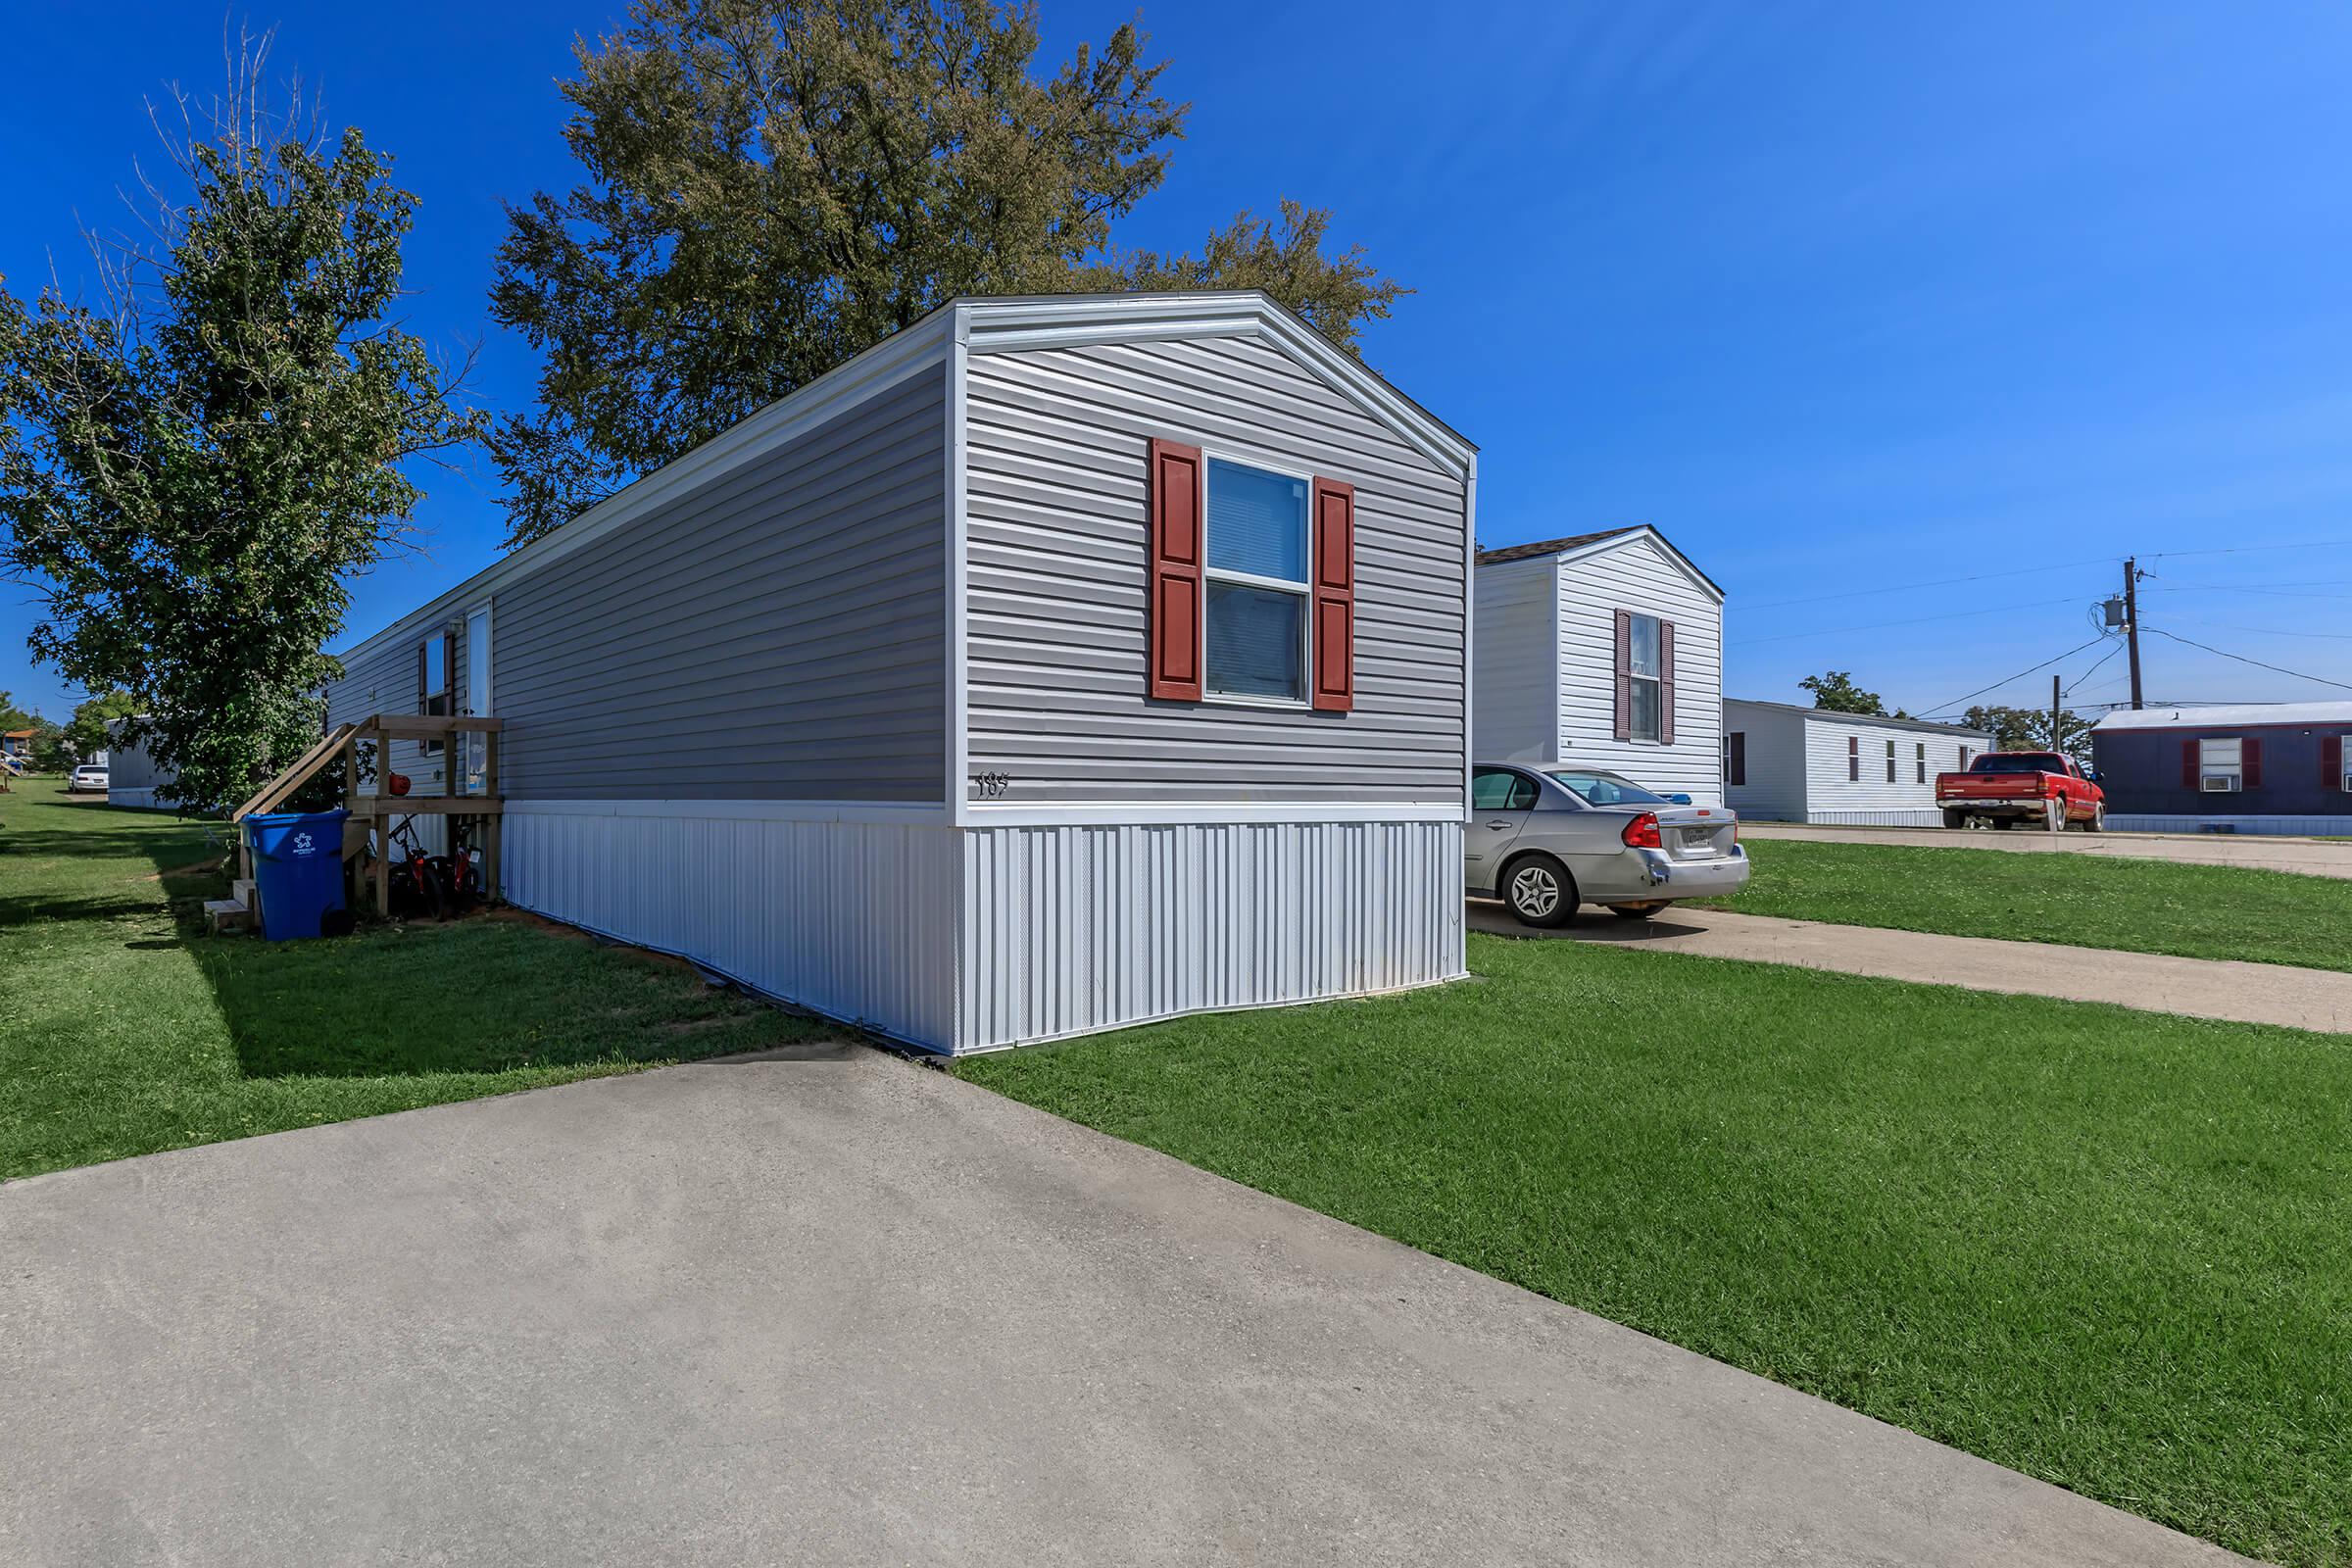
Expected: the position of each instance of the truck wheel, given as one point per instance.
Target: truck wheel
(2053, 815)
(1955, 819)
(2098, 818)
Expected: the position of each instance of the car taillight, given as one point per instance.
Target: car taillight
(1642, 833)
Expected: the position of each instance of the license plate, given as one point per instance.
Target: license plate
(1698, 838)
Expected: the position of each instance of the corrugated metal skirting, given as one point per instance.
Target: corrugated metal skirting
(2292, 826)
(1891, 817)
(1071, 929)
(852, 920)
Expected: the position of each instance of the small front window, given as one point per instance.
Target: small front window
(1647, 669)
(2222, 759)
(1257, 589)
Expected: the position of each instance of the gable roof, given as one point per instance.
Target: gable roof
(1592, 544)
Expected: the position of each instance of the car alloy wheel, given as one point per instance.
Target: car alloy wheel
(1535, 892)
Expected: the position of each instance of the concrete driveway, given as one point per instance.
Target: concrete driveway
(850, 1310)
(2310, 856)
(2293, 997)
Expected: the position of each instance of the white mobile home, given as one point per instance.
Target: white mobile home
(1053, 665)
(131, 776)
(1785, 763)
(1604, 649)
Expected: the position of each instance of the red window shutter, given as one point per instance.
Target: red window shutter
(2331, 762)
(1625, 674)
(1172, 603)
(1666, 682)
(2188, 765)
(2253, 762)
(1334, 606)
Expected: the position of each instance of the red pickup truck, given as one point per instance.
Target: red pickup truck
(2039, 789)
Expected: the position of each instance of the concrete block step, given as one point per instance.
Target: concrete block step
(226, 914)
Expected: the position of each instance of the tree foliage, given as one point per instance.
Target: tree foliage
(1836, 691)
(189, 471)
(87, 731)
(2028, 729)
(774, 186)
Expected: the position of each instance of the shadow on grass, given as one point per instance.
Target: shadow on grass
(485, 995)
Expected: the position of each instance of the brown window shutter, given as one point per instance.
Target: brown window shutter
(1853, 759)
(1172, 602)
(1334, 609)
(2252, 755)
(1666, 682)
(1625, 674)
(2331, 762)
(2188, 763)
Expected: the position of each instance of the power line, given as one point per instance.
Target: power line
(2095, 667)
(1955, 703)
(1910, 620)
(2282, 589)
(2248, 550)
(2274, 631)
(2243, 660)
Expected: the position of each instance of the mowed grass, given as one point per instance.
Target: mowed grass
(122, 1031)
(2109, 1249)
(2198, 912)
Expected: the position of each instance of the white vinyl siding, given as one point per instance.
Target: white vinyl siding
(1641, 577)
(1515, 674)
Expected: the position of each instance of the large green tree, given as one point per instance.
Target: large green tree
(190, 469)
(773, 186)
(87, 732)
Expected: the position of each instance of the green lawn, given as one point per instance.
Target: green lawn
(2199, 911)
(124, 1032)
(2110, 1248)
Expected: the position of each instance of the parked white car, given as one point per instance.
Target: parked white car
(1545, 837)
(90, 777)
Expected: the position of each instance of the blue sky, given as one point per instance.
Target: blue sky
(1844, 299)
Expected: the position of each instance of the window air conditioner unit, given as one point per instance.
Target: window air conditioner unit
(2220, 784)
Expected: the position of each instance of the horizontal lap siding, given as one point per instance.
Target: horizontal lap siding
(1642, 579)
(1832, 798)
(1775, 789)
(386, 682)
(779, 634)
(1514, 706)
(1055, 504)
(1073, 929)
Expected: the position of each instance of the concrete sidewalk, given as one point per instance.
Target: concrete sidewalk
(2254, 851)
(2202, 988)
(854, 1311)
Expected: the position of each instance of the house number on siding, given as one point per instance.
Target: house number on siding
(992, 785)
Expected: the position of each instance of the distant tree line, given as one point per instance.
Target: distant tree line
(2013, 729)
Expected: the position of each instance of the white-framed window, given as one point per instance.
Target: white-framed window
(1920, 763)
(2343, 760)
(1257, 596)
(1646, 669)
(2224, 757)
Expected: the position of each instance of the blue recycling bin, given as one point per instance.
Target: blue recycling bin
(298, 868)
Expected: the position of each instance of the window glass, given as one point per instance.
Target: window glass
(1645, 709)
(1607, 789)
(1256, 630)
(2222, 758)
(2020, 762)
(1500, 791)
(1645, 646)
(1920, 761)
(1255, 641)
(1257, 523)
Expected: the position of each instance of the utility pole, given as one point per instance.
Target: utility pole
(2131, 620)
(2057, 718)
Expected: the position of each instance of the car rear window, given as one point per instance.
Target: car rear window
(2020, 762)
(1607, 789)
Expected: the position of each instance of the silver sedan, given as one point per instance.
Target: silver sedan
(1545, 837)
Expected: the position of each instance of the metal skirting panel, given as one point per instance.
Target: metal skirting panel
(1891, 817)
(1071, 929)
(2292, 826)
(854, 920)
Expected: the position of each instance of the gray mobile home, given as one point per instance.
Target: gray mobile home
(1054, 664)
